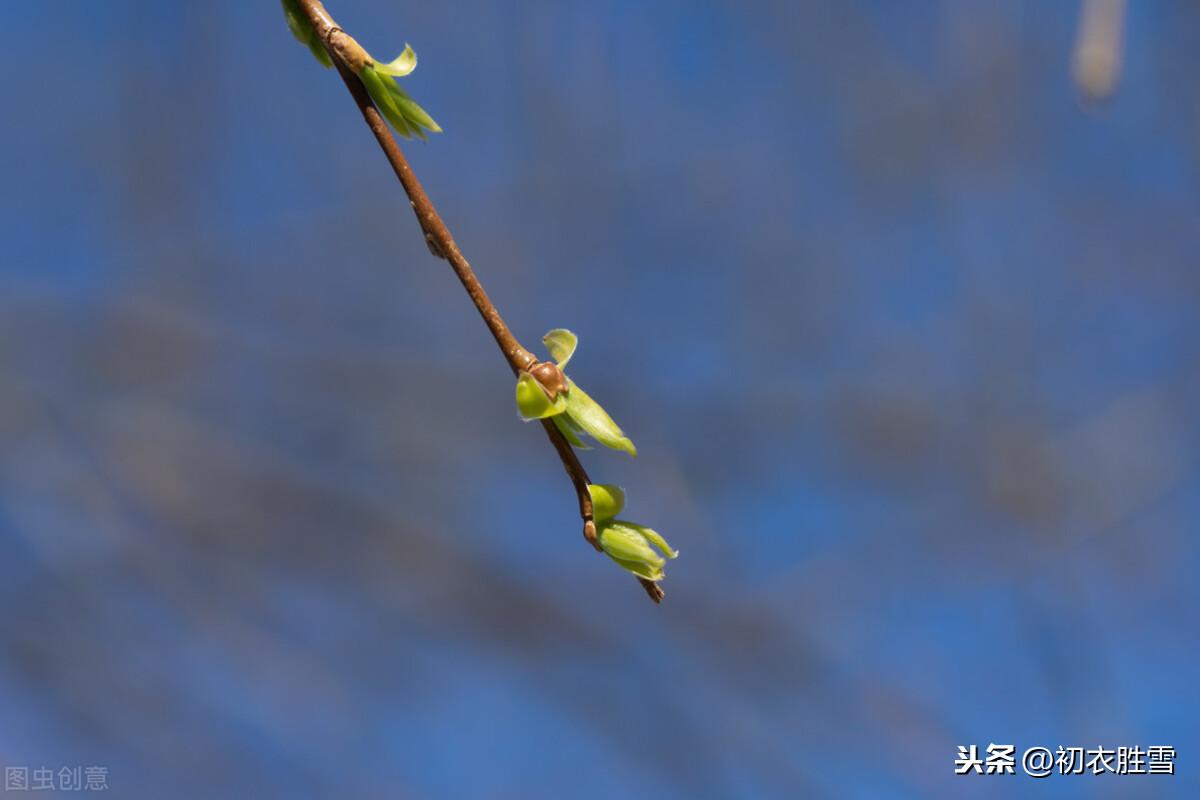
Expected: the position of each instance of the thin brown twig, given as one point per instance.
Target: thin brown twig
(348, 56)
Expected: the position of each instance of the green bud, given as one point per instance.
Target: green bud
(630, 545)
(607, 500)
(533, 402)
(377, 88)
(417, 118)
(408, 118)
(401, 65)
(570, 431)
(589, 416)
(654, 537)
(583, 414)
(300, 27)
(560, 343)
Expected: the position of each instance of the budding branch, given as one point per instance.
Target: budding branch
(349, 57)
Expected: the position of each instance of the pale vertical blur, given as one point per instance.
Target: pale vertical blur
(1097, 61)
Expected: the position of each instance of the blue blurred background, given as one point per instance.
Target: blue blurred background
(906, 334)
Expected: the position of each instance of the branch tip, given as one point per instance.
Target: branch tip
(350, 59)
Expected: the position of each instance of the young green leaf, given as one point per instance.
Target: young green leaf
(414, 115)
(625, 544)
(587, 414)
(572, 432)
(561, 344)
(300, 27)
(640, 568)
(533, 402)
(408, 118)
(401, 65)
(652, 536)
(607, 500)
(375, 86)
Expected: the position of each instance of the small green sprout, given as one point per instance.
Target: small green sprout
(631, 545)
(533, 402)
(544, 391)
(408, 118)
(304, 33)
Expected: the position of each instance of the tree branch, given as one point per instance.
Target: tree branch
(349, 57)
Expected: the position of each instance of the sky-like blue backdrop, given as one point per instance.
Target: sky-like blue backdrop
(906, 334)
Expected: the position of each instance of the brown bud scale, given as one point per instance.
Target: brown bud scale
(550, 378)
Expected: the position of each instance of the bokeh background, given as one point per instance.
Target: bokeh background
(905, 330)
